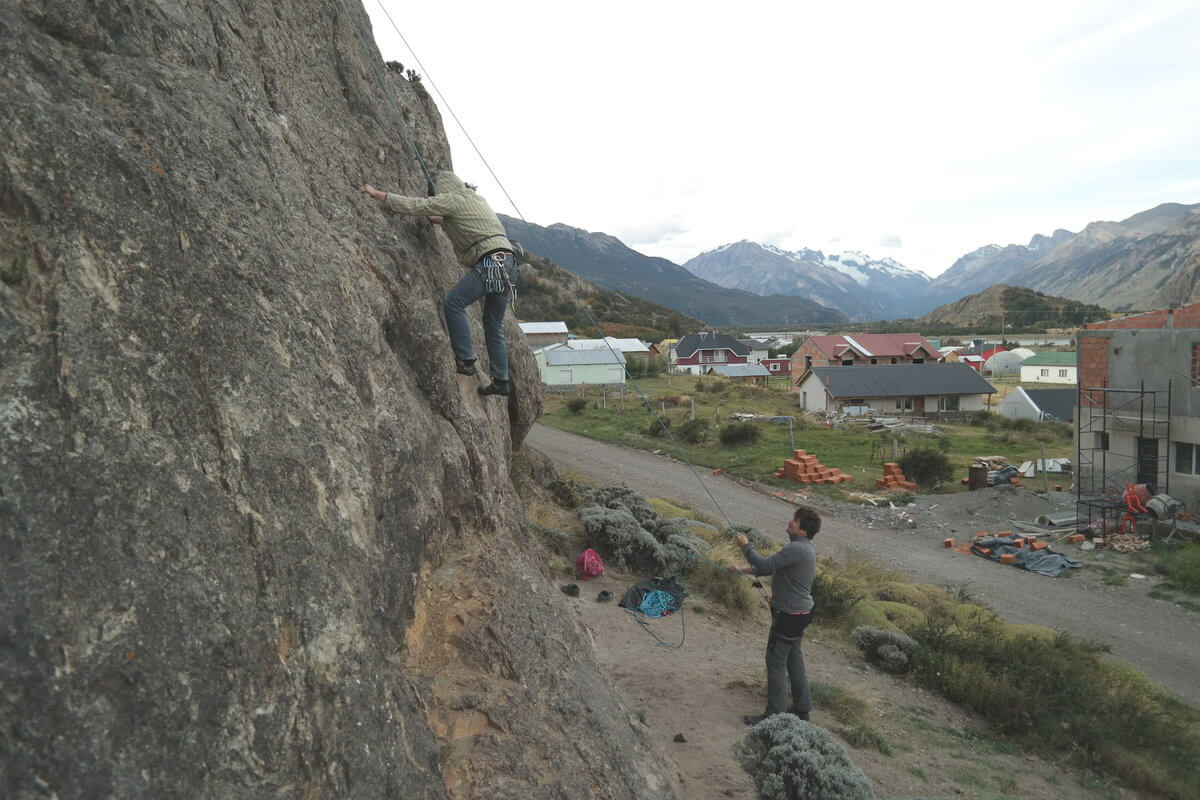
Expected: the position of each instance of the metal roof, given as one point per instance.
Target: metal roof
(901, 380)
(689, 344)
(1051, 359)
(1057, 403)
(740, 370)
(565, 356)
(543, 327)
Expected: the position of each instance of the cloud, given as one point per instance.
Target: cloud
(651, 232)
(890, 240)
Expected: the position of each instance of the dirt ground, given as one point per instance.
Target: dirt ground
(703, 689)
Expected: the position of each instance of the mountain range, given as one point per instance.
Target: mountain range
(1149, 260)
(859, 286)
(607, 262)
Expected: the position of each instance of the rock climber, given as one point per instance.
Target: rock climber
(791, 569)
(481, 246)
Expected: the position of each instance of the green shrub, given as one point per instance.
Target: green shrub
(789, 759)
(1182, 565)
(576, 404)
(839, 702)
(834, 594)
(695, 431)
(929, 468)
(890, 650)
(735, 433)
(655, 428)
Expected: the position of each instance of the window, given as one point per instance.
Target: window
(1045, 373)
(774, 368)
(1187, 458)
(894, 361)
(857, 401)
(904, 404)
(948, 403)
(847, 362)
(1100, 440)
(1062, 373)
(712, 356)
(918, 361)
(874, 361)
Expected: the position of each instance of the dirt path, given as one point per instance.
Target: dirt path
(1158, 637)
(703, 689)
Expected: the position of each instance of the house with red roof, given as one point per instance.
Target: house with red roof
(863, 349)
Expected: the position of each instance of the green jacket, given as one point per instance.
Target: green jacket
(473, 228)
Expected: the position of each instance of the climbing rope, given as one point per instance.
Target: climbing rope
(656, 604)
(564, 276)
(408, 137)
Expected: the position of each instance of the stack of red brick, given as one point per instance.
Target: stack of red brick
(893, 478)
(804, 468)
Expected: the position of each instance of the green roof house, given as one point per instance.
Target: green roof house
(1052, 367)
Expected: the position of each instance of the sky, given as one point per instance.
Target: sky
(918, 131)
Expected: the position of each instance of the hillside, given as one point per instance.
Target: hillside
(1021, 309)
(859, 286)
(544, 296)
(607, 262)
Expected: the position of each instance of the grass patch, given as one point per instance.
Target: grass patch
(863, 735)
(853, 449)
(839, 702)
(1036, 688)
(917, 771)
(1182, 565)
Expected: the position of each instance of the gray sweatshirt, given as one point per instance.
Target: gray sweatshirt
(791, 568)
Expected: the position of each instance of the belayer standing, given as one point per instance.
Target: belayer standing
(481, 246)
(792, 569)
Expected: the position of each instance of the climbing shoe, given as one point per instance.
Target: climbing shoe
(464, 367)
(801, 714)
(604, 596)
(571, 590)
(497, 386)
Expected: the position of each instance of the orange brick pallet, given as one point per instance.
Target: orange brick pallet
(893, 478)
(805, 468)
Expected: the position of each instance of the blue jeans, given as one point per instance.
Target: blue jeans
(785, 663)
(467, 291)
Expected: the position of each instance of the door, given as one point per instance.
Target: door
(1147, 461)
(565, 376)
(918, 406)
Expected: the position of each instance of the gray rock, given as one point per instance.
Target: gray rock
(231, 436)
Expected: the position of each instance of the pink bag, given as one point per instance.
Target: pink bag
(589, 564)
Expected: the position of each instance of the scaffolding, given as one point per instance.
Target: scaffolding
(1102, 474)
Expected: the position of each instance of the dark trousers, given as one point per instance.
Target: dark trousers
(785, 663)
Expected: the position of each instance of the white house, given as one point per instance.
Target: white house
(1051, 367)
(539, 334)
(563, 366)
(630, 348)
(918, 389)
(758, 350)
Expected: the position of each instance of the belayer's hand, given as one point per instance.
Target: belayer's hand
(741, 539)
(734, 569)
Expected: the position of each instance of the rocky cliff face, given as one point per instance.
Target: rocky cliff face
(236, 466)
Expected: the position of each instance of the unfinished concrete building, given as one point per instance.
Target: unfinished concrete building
(1138, 414)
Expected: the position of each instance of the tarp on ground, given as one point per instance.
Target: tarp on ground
(1043, 562)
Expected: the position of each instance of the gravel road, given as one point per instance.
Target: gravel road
(1158, 637)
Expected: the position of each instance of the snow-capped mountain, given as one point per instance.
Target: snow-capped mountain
(854, 283)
